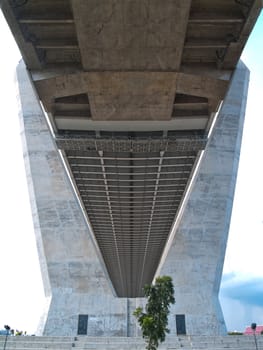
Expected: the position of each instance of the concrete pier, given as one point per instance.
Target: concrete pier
(196, 256)
(75, 278)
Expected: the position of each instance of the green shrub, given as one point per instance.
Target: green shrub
(154, 320)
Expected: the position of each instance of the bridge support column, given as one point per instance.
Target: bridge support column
(74, 277)
(196, 256)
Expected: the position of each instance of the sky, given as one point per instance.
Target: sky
(21, 293)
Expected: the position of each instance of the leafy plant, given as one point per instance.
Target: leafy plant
(154, 320)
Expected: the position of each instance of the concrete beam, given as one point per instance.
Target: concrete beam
(130, 95)
(125, 35)
(27, 48)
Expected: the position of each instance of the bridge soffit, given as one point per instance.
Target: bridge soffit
(131, 35)
(130, 91)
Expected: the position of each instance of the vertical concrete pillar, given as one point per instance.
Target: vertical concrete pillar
(74, 279)
(196, 256)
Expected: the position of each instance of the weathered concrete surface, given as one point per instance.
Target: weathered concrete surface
(131, 35)
(196, 256)
(130, 95)
(73, 275)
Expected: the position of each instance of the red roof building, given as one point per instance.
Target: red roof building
(250, 331)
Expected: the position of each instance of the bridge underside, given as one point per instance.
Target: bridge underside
(131, 89)
(131, 190)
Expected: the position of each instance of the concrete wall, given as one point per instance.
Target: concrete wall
(74, 278)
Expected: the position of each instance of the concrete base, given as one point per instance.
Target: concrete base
(132, 343)
(74, 276)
